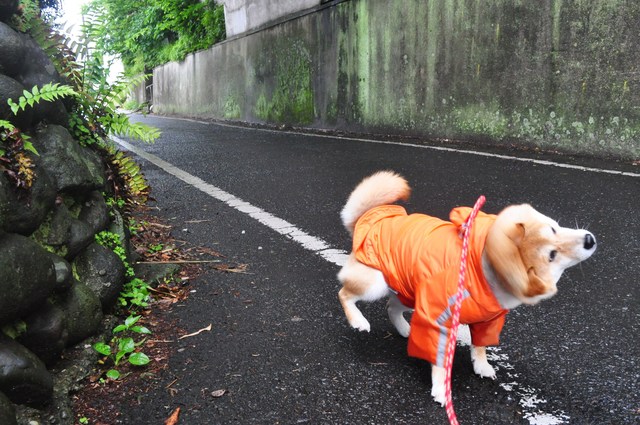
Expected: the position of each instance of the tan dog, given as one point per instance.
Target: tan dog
(515, 258)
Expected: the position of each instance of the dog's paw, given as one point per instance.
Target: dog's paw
(403, 328)
(438, 375)
(361, 324)
(481, 365)
(484, 369)
(438, 394)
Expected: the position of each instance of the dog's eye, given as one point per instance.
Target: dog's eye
(553, 229)
(552, 255)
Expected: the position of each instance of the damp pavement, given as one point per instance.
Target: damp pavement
(280, 350)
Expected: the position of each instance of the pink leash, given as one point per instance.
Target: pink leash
(455, 320)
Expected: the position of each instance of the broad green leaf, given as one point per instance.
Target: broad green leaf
(119, 328)
(131, 320)
(113, 374)
(29, 146)
(126, 344)
(139, 359)
(14, 106)
(119, 357)
(102, 348)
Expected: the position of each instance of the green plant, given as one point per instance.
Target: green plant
(83, 420)
(135, 293)
(112, 202)
(14, 161)
(157, 247)
(48, 92)
(124, 347)
(15, 329)
(14, 144)
(147, 33)
(112, 241)
(96, 111)
(127, 181)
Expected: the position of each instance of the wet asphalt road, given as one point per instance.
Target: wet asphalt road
(280, 346)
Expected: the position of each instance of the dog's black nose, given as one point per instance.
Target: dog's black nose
(589, 241)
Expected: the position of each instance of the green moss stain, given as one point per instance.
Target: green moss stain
(539, 127)
(292, 98)
(432, 53)
(41, 237)
(363, 59)
(231, 108)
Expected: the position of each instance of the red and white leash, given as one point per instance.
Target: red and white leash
(455, 320)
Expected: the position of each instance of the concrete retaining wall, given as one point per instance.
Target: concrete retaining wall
(245, 15)
(552, 74)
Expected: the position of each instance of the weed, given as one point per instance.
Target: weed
(135, 293)
(123, 347)
(157, 247)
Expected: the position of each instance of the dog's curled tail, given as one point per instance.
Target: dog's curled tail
(381, 188)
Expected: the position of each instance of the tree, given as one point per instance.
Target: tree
(147, 33)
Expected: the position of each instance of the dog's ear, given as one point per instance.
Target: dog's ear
(536, 286)
(502, 249)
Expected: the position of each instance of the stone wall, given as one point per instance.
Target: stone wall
(554, 74)
(55, 280)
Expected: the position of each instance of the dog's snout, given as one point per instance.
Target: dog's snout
(589, 242)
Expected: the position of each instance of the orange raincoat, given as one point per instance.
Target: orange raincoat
(419, 257)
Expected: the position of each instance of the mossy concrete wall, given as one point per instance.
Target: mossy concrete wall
(553, 74)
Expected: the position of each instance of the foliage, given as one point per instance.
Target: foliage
(147, 33)
(29, 12)
(14, 161)
(127, 181)
(96, 112)
(135, 294)
(15, 329)
(124, 347)
(112, 241)
(48, 92)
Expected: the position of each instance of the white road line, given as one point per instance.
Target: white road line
(309, 242)
(528, 397)
(429, 147)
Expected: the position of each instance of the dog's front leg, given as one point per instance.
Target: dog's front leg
(481, 365)
(438, 375)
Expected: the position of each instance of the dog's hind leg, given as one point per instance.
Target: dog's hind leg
(359, 283)
(396, 311)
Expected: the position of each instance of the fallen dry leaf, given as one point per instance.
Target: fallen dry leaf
(208, 328)
(173, 419)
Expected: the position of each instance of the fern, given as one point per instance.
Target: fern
(95, 113)
(48, 92)
(127, 179)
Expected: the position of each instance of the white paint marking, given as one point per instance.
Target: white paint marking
(309, 242)
(528, 397)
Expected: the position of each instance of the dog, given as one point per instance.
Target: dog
(515, 257)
